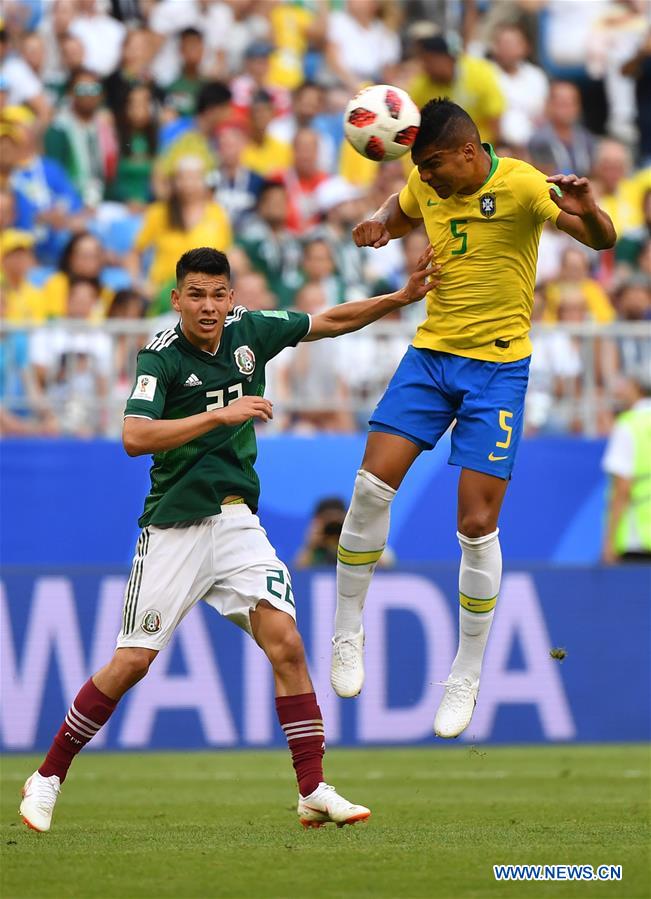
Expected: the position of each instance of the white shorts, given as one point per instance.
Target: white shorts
(225, 560)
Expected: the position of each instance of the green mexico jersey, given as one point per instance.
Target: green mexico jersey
(175, 379)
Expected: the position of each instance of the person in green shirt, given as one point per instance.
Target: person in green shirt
(199, 389)
(181, 95)
(138, 141)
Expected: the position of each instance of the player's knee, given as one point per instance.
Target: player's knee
(287, 651)
(477, 523)
(133, 663)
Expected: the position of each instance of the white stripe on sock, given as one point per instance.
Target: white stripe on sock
(309, 733)
(78, 729)
(306, 721)
(92, 725)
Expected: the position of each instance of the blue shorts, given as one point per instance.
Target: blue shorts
(430, 390)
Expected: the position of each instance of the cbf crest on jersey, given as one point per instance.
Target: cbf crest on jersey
(487, 205)
(245, 360)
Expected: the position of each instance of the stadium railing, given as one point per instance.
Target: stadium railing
(573, 387)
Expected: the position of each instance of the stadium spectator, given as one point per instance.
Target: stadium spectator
(188, 218)
(82, 138)
(264, 154)
(631, 242)
(127, 305)
(251, 290)
(562, 144)
(472, 82)
(236, 187)
(134, 69)
(72, 60)
(196, 136)
(71, 367)
(181, 94)
(255, 79)
(639, 68)
(322, 536)
(46, 203)
(633, 304)
(82, 258)
(21, 84)
(232, 27)
(298, 35)
(302, 180)
(22, 301)
(307, 380)
(272, 250)
(137, 130)
(7, 208)
(308, 104)
(101, 34)
(53, 27)
(340, 204)
(627, 461)
(523, 84)
(318, 267)
(574, 281)
(620, 193)
(359, 44)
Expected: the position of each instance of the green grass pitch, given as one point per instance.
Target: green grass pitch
(224, 824)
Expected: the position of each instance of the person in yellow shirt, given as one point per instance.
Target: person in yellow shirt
(468, 365)
(82, 257)
(620, 192)
(22, 301)
(188, 218)
(468, 81)
(574, 279)
(264, 154)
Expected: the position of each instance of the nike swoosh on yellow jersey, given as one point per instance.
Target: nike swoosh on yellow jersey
(493, 458)
(432, 202)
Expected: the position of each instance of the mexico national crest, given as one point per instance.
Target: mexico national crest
(151, 623)
(245, 360)
(487, 205)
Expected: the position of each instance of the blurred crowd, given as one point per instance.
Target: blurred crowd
(133, 130)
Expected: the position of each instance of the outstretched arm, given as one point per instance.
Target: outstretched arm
(388, 222)
(580, 216)
(357, 314)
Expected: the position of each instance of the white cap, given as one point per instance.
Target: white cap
(334, 192)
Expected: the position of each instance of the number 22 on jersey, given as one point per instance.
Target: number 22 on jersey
(234, 392)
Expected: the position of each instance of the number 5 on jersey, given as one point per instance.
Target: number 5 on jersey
(508, 430)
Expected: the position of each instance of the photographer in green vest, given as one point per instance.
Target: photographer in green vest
(628, 462)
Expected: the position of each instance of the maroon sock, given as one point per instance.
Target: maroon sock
(88, 712)
(300, 718)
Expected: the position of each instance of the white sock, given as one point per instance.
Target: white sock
(479, 583)
(362, 542)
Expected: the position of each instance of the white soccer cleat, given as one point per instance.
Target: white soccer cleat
(325, 805)
(347, 668)
(39, 798)
(455, 711)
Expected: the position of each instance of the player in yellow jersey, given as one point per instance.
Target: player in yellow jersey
(469, 362)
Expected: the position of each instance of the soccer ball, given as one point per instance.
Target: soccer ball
(381, 122)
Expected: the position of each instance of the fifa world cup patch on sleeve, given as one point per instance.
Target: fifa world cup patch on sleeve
(145, 388)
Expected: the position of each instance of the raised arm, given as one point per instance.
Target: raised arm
(357, 314)
(387, 223)
(142, 436)
(580, 216)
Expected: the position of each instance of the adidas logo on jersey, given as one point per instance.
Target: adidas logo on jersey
(193, 381)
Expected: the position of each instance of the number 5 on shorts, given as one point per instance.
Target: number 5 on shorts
(504, 417)
(277, 576)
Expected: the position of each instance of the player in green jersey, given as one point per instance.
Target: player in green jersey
(199, 387)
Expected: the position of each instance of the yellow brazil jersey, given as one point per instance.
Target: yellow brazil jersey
(487, 246)
(168, 244)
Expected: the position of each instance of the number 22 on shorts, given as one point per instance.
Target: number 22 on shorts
(508, 430)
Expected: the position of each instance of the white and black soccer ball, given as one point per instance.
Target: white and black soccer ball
(381, 122)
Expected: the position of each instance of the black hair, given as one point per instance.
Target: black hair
(122, 299)
(190, 32)
(76, 280)
(307, 85)
(202, 260)
(268, 186)
(213, 93)
(68, 250)
(330, 504)
(445, 124)
(124, 128)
